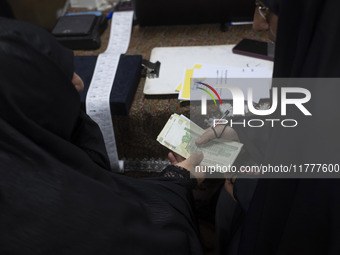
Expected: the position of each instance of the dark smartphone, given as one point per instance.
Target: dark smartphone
(256, 49)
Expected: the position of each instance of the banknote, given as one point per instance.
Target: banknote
(179, 135)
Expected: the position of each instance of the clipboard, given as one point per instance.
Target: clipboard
(174, 60)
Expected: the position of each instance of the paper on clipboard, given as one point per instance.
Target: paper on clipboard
(184, 91)
(176, 59)
(256, 78)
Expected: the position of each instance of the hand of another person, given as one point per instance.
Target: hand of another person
(189, 164)
(229, 186)
(175, 158)
(77, 82)
(222, 131)
(229, 182)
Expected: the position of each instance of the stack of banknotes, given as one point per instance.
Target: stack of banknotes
(179, 135)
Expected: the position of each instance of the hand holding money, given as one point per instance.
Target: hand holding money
(179, 135)
(188, 164)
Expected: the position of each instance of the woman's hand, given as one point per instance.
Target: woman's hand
(222, 131)
(229, 182)
(229, 186)
(189, 164)
(175, 158)
(77, 82)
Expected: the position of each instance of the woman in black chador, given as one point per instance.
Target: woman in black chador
(295, 216)
(56, 193)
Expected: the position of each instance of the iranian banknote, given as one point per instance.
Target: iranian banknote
(179, 135)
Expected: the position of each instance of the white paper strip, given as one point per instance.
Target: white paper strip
(98, 95)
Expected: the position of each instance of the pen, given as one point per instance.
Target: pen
(223, 116)
(238, 23)
(109, 16)
(218, 122)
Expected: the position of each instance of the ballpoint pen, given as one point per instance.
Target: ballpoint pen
(218, 123)
(225, 114)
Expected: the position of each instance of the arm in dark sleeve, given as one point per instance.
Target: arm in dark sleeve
(255, 143)
(178, 175)
(89, 138)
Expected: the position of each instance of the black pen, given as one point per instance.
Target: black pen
(223, 116)
(218, 122)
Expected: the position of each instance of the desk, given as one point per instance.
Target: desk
(136, 134)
